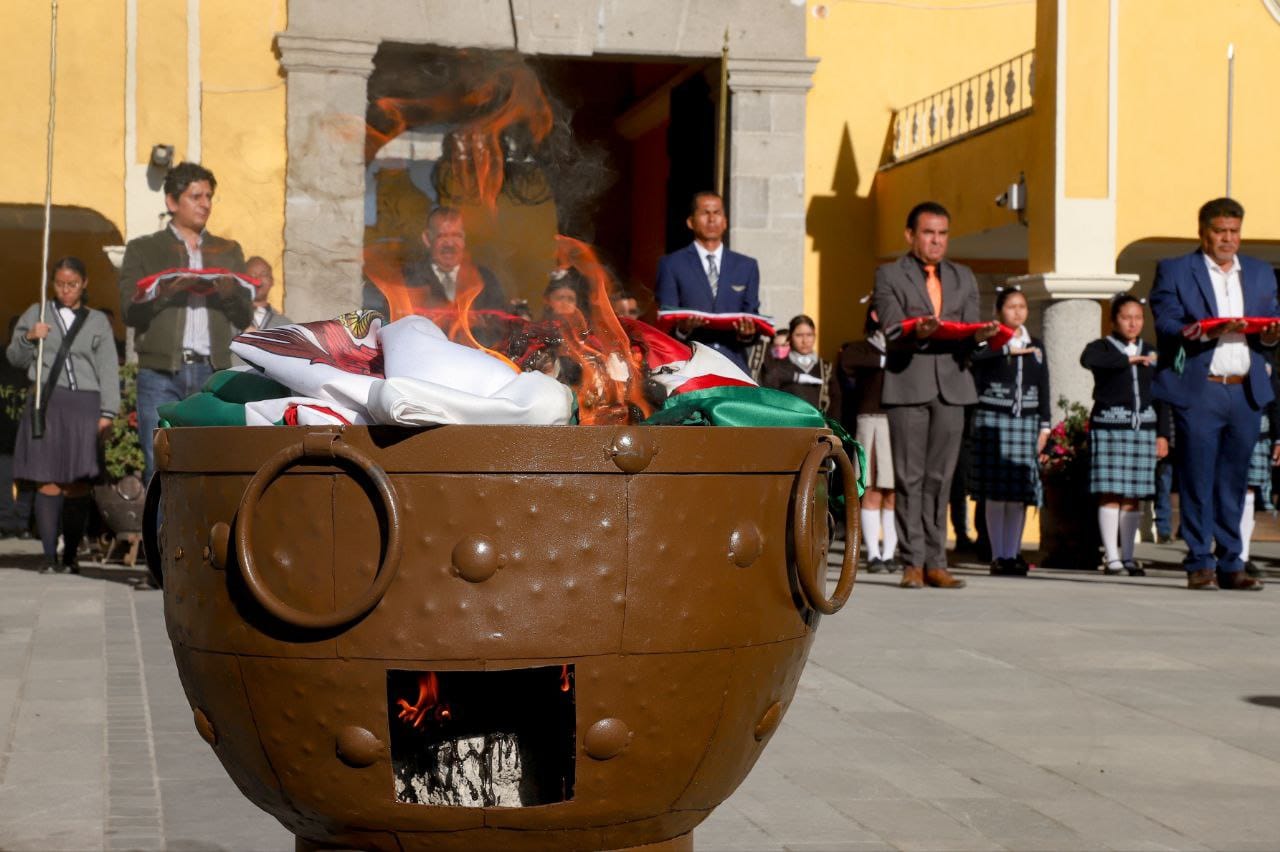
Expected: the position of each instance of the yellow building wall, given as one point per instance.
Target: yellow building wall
(243, 123)
(243, 127)
(875, 58)
(1088, 99)
(162, 77)
(88, 164)
(1173, 115)
(88, 118)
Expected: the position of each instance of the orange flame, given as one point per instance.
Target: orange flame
(611, 369)
(564, 678)
(511, 96)
(428, 703)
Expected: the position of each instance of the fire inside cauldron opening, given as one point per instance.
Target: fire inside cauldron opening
(483, 739)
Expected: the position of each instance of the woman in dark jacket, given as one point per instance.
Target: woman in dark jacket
(1122, 431)
(802, 373)
(1010, 428)
(81, 395)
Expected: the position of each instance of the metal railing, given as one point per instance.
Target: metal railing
(998, 94)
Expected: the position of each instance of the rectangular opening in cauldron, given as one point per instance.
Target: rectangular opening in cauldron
(483, 739)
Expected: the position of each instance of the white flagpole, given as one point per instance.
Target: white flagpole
(37, 423)
(1231, 106)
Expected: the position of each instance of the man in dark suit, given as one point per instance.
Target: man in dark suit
(706, 276)
(926, 387)
(434, 281)
(1217, 383)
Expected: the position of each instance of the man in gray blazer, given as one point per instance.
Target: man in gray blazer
(927, 384)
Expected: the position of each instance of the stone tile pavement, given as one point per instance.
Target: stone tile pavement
(1062, 711)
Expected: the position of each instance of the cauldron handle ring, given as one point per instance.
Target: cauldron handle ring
(812, 572)
(317, 445)
(151, 531)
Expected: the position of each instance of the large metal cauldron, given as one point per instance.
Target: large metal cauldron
(671, 576)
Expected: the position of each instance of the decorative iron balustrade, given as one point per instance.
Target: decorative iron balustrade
(991, 97)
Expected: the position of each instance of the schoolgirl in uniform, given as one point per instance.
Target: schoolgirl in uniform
(1010, 428)
(1122, 431)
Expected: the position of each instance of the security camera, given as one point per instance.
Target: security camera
(1015, 196)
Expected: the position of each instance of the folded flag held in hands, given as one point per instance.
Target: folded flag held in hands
(197, 282)
(668, 319)
(1252, 325)
(948, 330)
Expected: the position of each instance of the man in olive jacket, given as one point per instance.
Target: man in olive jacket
(180, 337)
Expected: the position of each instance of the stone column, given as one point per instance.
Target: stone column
(766, 174)
(324, 186)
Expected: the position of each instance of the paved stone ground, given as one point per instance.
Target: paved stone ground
(1061, 711)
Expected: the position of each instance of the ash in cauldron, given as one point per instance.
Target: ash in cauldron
(479, 637)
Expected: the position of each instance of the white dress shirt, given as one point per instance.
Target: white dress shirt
(718, 254)
(1231, 357)
(195, 334)
(448, 279)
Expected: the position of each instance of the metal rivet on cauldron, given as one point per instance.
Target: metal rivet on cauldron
(160, 450)
(476, 558)
(745, 545)
(632, 451)
(178, 552)
(607, 739)
(358, 747)
(769, 721)
(205, 728)
(219, 542)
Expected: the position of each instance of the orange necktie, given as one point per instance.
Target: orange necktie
(934, 285)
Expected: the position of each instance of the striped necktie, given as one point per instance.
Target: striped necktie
(713, 274)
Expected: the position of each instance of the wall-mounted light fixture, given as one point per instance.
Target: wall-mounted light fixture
(162, 156)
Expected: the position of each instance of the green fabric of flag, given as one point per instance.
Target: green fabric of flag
(244, 386)
(739, 405)
(202, 409)
(222, 399)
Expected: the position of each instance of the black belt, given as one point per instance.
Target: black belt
(190, 356)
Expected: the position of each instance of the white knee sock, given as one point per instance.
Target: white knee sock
(1109, 527)
(1015, 518)
(889, 526)
(1129, 521)
(1246, 525)
(995, 528)
(871, 533)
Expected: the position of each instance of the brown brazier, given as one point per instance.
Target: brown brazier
(493, 637)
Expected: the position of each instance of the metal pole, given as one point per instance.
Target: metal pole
(1231, 107)
(722, 125)
(37, 421)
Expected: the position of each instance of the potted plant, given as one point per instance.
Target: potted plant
(1068, 529)
(119, 495)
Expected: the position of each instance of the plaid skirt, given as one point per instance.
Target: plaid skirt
(1260, 469)
(1122, 462)
(1002, 461)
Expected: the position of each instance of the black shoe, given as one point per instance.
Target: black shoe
(1113, 568)
(875, 566)
(1252, 570)
(1164, 538)
(892, 565)
(1133, 569)
(73, 567)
